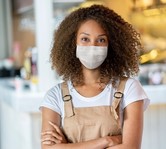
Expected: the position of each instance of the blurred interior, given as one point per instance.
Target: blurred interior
(26, 31)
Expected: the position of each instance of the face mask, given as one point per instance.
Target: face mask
(91, 56)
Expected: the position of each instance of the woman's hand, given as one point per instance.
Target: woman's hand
(113, 140)
(52, 137)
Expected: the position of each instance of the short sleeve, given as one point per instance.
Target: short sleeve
(134, 92)
(53, 100)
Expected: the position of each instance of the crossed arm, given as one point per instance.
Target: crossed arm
(53, 138)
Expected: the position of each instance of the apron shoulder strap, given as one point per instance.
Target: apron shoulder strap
(67, 98)
(118, 95)
(65, 92)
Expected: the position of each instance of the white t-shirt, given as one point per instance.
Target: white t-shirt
(133, 92)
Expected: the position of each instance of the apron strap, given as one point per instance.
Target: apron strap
(118, 95)
(67, 98)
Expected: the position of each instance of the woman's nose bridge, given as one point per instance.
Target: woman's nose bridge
(93, 42)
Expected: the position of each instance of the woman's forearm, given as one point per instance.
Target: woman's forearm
(100, 143)
(124, 146)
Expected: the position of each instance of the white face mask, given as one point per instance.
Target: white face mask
(91, 56)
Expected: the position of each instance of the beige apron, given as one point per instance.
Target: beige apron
(83, 124)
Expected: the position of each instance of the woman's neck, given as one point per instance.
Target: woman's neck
(91, 77)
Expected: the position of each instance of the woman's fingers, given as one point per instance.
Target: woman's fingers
(114, 140)
(47, 142)
(50, 140)
(56, 128)
(53, 134)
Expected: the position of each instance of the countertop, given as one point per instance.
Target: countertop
(29, 101)
(156, 93)
(24, 100)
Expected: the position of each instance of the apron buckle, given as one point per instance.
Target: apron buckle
(118, 95)
(67, 98)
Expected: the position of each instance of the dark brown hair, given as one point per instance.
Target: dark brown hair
(124, 44)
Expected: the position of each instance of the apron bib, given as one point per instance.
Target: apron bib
(87, 123)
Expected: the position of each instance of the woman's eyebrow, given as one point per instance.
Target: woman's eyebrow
(89, 34)
(102, 35)
(85, 33)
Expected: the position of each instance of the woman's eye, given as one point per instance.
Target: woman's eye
(101, 40)
(85, 39)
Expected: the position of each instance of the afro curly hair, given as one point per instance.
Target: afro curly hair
(123, 49)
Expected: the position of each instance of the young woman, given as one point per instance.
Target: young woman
(99, 105)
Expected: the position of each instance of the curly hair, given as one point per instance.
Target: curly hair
(123, 49)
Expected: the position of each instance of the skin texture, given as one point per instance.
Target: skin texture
(89, 31)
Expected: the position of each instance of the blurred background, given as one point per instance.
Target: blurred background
(26, 31)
